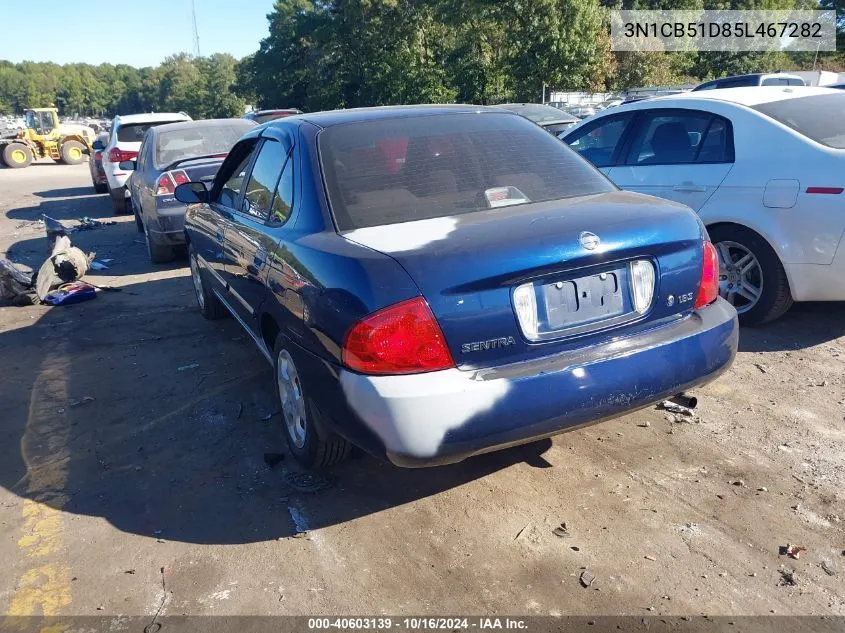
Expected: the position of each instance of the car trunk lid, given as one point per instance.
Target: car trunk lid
(468, 267)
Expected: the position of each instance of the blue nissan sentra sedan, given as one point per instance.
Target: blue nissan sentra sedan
(434, 282)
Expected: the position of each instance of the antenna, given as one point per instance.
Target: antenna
(196, 32)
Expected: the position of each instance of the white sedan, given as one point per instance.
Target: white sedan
(763, 167)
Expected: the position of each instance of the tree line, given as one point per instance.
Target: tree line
(325, 54)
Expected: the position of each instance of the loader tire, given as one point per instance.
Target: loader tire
(17, 155)
(72, 153)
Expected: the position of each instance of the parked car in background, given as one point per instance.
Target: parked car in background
(549, 118)
(127, 132)
(763, 167)
(95, 163)
(582, 111)
(339, 241)
(560, 105)
(170, 155)
(754, 79)
(262, 116)
(610, 103)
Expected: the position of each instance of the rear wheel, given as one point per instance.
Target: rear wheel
(208, 302)
(119, 201)
(17, 155)
(751, 276)
(138, 223)
(159, 253)
(101, 187)
(71, 152)
(310, 446)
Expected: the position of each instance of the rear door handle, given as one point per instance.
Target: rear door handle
(690, 188)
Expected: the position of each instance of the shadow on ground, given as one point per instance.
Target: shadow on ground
(805, 325)
(67, 192)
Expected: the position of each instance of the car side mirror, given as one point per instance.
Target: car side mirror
(127, 165)
(191, 193)
(85, 151)
(98, 145)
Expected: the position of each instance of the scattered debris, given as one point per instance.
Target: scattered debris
(87, 224)
(645, 424)
(518, 534)
(96, 265)
(575, 548)
(587, 579)
(273, 459)
(100, 608)
(762, 489)
(561, 531)
(129, 571)
(16, 287)
(828, 568)
(674, 407)
(651, 558)
(240, 410)
(269, 416)
(308, 482)
(187, 367)
(65, 264)
(738, 482)
(788, 578)
(762, 368)
(793, 551)
(299, 521)
(70, 293)
(84, 400)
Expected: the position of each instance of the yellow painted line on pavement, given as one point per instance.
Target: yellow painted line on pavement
(44, 587)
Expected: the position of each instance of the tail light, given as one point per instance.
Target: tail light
(117, 155)
(708, 290)
(98, 156)
(401, 339)
(169, 180)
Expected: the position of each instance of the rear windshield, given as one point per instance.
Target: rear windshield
(404, 169)
(820, 117)
(199, 140)
(134, 132)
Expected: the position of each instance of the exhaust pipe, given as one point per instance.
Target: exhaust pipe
(682, 399)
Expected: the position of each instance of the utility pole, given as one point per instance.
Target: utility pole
(196, 32)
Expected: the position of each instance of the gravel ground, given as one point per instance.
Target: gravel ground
(135, 476)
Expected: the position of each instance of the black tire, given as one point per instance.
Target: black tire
(159, 253)
(320, 448)
(101, 188)
(71, 152)
(776, 298)
(17, 155)
(119, 201)
(208, 303)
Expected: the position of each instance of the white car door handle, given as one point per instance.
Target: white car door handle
(690, 188)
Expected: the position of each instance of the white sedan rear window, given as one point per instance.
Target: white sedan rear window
(820, 117)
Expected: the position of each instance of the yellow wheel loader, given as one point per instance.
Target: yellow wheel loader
(45, 137)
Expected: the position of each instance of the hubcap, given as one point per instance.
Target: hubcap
(75, 153)
(290, 395)
(195, 276)
(19, 156)
(740, 276)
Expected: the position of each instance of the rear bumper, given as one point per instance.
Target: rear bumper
(116, 177)
(167, 223)
(818, 282)
(443, 417)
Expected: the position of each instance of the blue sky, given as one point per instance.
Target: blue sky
(139, 33)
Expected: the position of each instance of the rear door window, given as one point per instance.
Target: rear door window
(451, 164)
(820, 117)
(668, 138)
(599, 141)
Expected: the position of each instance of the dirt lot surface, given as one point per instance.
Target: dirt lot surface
(134, 441)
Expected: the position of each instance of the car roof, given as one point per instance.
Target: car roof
(151, 116)
(356, 115)
(748, 96)
(203, 123)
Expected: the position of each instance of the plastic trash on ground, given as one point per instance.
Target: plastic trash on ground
(67, 294)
